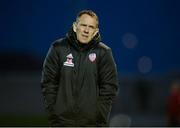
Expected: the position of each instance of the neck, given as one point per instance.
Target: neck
(81, 44)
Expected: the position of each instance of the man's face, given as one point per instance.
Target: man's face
(85, 28)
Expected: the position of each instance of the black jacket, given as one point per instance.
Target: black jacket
(79, 82)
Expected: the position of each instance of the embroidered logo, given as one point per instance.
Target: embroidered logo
(92, 57)
(69, 60)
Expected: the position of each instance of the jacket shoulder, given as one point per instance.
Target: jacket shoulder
(59, 42)
(103, 46)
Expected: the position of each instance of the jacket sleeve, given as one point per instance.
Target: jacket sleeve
(50, 78)
(108, 85)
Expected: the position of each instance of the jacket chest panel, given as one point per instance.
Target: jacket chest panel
(77, 62)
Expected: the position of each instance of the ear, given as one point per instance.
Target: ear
(74, 26)
(97, 30)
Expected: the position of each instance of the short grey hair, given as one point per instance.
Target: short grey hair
(88, 12)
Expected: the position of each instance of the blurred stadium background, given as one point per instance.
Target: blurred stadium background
(144, 36)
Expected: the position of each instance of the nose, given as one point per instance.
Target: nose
(86, 30)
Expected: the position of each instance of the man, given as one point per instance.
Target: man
(79, 77)
(173, 105)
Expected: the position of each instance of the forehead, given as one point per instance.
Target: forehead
(86, 19)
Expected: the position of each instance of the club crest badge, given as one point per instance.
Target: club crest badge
(92, 57)
(68, 61)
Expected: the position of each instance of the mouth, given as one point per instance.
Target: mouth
(86, 36)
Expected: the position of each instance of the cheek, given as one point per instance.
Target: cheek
(80, 29)
(78, 32)
(92, 33)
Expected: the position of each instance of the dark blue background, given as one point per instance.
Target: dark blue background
(28, 27)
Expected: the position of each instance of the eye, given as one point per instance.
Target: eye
(92, 27)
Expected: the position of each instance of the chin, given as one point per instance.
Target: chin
(84, 42)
